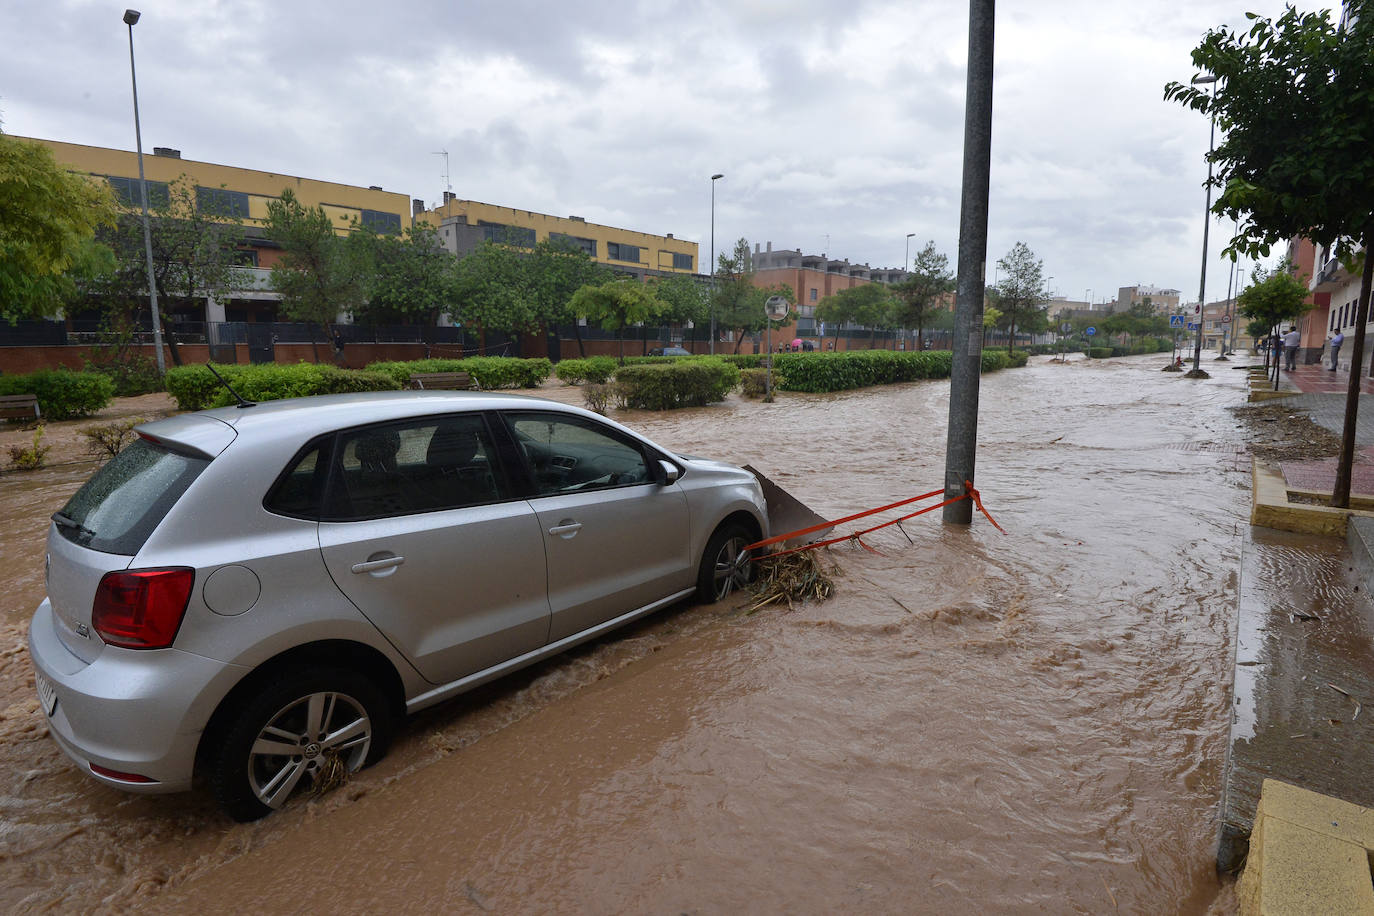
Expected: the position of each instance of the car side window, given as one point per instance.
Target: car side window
(417, 466)
(567, 454)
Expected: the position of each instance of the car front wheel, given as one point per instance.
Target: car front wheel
(726, 565)
(304, 730)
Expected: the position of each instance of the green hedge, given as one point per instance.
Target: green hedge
(1016, 359)
(62, 393)
(686, 383)
(487, 371)
(196, 388)
(1099, 352)
(595, 369)
(831, 371)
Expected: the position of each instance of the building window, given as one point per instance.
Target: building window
(812, 297)
(516, 236)
(682, 261)
(245, 257)
(222, 202)
(126, 189)
(382, 223)
(616, 251)
(586, 245)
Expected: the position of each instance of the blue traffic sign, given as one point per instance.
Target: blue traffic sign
(1176, 321)
(1193, 326)
(1090, 331)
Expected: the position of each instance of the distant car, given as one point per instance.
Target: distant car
(259, 592)
(669, 351)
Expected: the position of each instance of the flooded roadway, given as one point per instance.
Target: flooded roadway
(975, 723)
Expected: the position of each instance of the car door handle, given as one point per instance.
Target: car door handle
(566, 529)
(375, 565)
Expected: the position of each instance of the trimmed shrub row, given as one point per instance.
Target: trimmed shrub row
(595, 369)
(1099, 352)
(487, 371)
(196, 388)
(62, 393)
(830, 371)
(687, 383)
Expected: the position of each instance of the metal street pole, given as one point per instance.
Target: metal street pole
(962, 434)
(906, 258)
(1206, 225)
(713, 260)
(130, 17)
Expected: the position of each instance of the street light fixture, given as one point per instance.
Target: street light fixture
(906, 258)
(1200, 80)
(713, 259)
(131, 17)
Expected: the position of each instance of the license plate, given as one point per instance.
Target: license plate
(46, 695)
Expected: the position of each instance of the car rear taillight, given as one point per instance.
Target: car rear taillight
(142, 609)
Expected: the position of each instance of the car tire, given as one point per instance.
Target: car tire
(312, 715)
(725, 565)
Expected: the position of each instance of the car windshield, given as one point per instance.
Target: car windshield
(119, 507)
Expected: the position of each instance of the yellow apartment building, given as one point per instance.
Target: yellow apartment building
(463, 225)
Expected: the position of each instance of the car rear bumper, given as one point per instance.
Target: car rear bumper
(137, 712)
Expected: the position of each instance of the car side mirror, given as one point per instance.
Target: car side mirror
(671, 472)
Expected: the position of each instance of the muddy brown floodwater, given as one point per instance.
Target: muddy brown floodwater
(977, 722)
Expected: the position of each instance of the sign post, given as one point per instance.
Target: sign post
(776, 310)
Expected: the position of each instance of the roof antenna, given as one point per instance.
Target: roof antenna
(243, 402)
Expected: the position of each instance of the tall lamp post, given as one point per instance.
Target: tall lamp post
(714, 177)
(130, 17)
(1206, 225)
(906, 258)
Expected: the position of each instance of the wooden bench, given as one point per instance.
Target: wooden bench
(19, 407)
(428, 381)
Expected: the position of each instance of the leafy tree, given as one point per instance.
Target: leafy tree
(870, 305)
(492, 290)
(1292, 97)
(47, 217)
(1275, 297)
(685, 299)
(735, 300)
(991, 316)
(616, 305)
(1021, 294)
(555, 270)
(195, 248)
(410, 276)
(319, 275)
(923, 289)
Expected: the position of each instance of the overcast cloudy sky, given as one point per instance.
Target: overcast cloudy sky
(838, 125)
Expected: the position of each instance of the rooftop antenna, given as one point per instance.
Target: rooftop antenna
(448, 187)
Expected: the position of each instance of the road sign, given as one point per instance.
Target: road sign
(1193, 325)
(776, 307)
(1065, 328)
(1175, 321)
(1090, 331)
(1225, 319)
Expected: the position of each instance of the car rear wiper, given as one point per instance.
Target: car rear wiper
(66, 521)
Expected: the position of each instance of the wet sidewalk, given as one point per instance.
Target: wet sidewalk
(1304, 666)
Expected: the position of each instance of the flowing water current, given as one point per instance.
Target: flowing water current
(976, 722)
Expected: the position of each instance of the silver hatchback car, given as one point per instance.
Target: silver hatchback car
(259, 593)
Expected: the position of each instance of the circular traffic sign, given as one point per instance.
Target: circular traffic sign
(1225, 319)
(1090, 331)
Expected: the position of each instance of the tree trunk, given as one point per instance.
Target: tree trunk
(577, 332)
(1011, 334)
(1340, 494)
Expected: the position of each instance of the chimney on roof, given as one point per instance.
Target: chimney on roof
(449, 196)
(578, 219)
(770, 244)
(374, 187)
(167, 151)
(668, 236)
(417, 206)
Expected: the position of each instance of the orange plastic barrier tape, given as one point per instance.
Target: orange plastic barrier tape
(969, 493)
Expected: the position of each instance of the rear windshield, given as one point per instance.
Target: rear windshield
(119, 507)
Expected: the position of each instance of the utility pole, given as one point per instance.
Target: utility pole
(962, 436)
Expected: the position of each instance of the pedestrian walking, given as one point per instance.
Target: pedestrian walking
(1291, 342)
(1336, 349)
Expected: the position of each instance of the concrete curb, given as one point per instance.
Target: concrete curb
(1270, 507)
